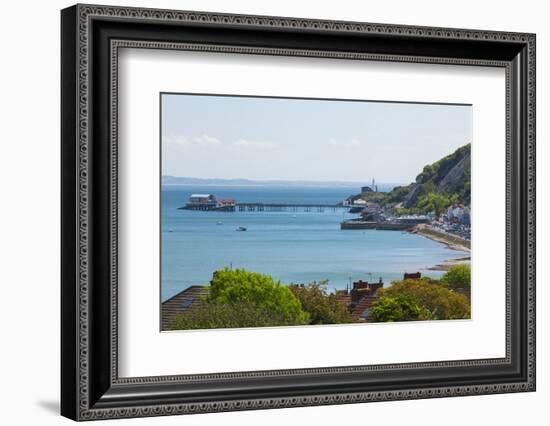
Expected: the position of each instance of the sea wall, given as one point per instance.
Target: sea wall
(382, 226)
(452, 241)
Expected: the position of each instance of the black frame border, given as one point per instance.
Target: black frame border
(90, 387)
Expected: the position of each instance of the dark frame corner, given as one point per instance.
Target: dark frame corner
(90, 386)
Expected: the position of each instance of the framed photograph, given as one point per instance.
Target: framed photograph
(264, 212)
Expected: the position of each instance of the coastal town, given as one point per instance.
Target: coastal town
(357, 300)
(453, 223)
(436, 206)
(451, 226)
(410, 299)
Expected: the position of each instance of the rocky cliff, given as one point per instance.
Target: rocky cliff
(449, 176)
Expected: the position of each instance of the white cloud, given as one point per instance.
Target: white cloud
(184, 142)
(206, 140)
(345, 143)
(243, 143)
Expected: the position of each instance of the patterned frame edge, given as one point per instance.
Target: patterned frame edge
(115, 46)
(84, 13)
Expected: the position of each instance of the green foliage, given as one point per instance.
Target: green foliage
(230, 315)
(457, 277)
(397, 308)
(427, 173)
(240, 298)
(375, 197)
(257, 290)
(429, 184)
(433, 202)
(433, 299)
(402, 211)
(323, 308)
(435, 172)
(396, 195)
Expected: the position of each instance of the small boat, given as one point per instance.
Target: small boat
(219, 223)
(241, 228)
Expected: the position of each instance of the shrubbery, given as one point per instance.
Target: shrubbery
(423, 299)
(323, 308)
(457, 277)
(398, 308)
(240, 298)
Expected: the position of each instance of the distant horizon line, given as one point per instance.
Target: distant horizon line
(258, 182)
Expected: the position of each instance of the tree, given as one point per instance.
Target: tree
(396, 195)
(323, 308)
(457, 277)
(430, 296)
(239, 298)
(397, 308)
(432, 202)
(228, 315)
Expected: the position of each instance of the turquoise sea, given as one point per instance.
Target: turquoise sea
(293, 247)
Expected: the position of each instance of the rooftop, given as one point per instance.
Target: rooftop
(181, 302)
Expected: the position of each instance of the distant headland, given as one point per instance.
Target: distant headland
(184, 180)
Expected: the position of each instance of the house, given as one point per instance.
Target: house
(362, 309)
(360, 298)
(343, 298)
(372, 212)
(208, 202)
(190, 298)
(202, 199)
(364, 288)
(226, 204)
(459, 214)
(412, 276)
(412, 219)
(372, 188)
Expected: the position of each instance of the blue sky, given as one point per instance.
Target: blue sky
(318, 140)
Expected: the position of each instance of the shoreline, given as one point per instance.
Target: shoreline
(451, 241)
(448, 264)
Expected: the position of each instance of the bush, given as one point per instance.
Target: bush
(432, 202)
(239, 298)
(435, 301)
(228, 315)
(323, 308)
(397, 308)
(457, 277)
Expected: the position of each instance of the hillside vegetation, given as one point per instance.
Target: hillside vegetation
(439, 185)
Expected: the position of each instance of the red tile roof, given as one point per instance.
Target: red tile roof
(362, 306)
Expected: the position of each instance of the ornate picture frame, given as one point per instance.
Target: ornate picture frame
(91, 37)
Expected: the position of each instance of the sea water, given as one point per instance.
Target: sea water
(291, 246)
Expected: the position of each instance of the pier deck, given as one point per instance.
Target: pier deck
(268, 207)
(278, 207)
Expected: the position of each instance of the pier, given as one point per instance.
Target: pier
(208, 202)
(282, 207)
(268, 207)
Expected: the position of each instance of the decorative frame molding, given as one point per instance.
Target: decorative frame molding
(91, 37)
